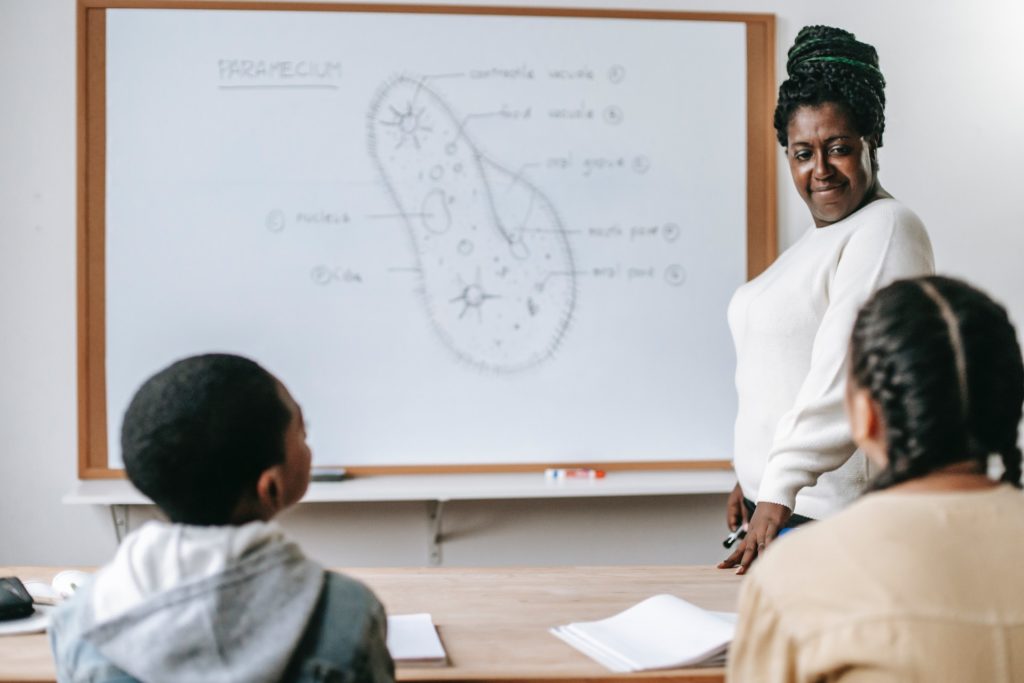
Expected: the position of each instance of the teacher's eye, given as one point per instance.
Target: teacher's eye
(802, 155)
(839, 150)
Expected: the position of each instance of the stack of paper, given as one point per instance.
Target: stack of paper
(413, 640)
(662, 632)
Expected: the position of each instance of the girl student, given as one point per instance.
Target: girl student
(919, 579)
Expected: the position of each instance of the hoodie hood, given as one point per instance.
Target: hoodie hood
(160, 556)
(201, 604)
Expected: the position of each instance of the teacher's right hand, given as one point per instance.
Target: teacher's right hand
(735, 510)
(768, 520)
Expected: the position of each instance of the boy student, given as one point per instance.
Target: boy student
(919, 580)
(218, 593)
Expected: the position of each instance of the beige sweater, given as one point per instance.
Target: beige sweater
(898, 587)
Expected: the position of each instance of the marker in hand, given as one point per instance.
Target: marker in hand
(739, 534)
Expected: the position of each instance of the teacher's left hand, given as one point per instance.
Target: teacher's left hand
(764, 526)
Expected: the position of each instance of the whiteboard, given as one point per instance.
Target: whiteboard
(457, 239)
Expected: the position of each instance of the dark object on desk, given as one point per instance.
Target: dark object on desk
(328, 474)
(15, 602)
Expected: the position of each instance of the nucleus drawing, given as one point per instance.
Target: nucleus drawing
(496, 267)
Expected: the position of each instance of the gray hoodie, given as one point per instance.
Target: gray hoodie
(270, 614)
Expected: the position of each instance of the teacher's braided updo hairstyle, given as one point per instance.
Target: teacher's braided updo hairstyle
(829, 64)
(941, 360)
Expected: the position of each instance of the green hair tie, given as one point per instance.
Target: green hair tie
(818, 41)
(842, 60)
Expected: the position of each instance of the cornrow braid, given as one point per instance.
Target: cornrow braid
(942, 361)
(829, 64)
(955, 341)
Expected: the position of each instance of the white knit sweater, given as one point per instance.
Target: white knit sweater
(791, 326)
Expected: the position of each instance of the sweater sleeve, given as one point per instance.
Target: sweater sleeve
(813, 436)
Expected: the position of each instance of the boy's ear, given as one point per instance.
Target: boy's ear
(270, 491)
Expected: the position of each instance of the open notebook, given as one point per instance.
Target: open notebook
(662, 632)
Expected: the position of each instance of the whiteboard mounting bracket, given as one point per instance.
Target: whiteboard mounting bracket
(119, 515)
(436, 516)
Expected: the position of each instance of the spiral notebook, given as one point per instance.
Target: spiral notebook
(662, 632)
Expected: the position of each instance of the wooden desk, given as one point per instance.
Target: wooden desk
(493, 622)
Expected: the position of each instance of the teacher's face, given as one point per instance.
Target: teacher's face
(831, 163)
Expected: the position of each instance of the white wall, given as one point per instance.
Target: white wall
(954, 152)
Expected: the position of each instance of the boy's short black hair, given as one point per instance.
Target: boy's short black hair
(197, 435)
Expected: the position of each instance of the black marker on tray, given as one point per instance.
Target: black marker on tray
(328, 474)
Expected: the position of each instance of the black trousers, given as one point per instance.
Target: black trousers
(794, 520)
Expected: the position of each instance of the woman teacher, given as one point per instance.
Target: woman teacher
(794, 457)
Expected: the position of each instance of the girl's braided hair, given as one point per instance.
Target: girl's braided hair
(830, 65)
(941, 360)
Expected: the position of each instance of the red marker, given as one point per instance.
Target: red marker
(560, 473)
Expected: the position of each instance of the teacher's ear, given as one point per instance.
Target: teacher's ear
(866, 426)
(872, 142)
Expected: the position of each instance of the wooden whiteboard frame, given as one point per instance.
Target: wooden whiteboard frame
(762, 245)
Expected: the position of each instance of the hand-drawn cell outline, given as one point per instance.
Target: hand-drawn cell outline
(506, 303)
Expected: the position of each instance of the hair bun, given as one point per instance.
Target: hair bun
(829, 64)
(824, 44)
